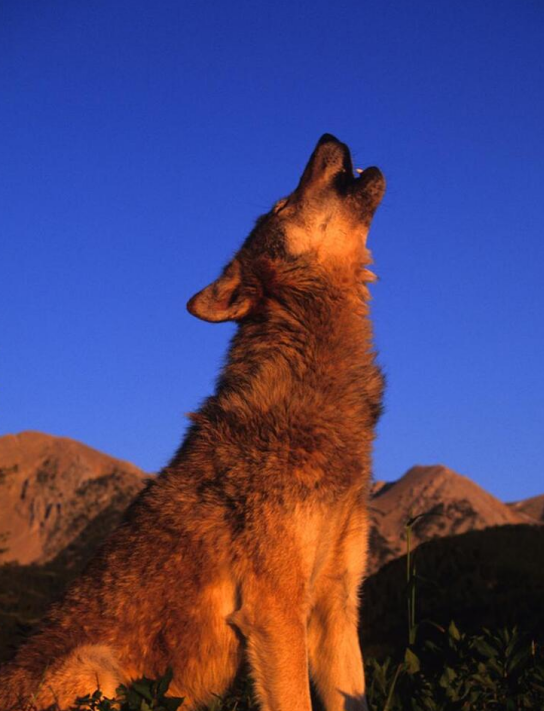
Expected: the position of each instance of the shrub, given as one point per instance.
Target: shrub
(452, 671)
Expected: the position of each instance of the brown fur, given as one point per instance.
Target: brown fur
(252, 542)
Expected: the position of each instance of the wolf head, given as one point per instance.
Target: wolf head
(317, 233)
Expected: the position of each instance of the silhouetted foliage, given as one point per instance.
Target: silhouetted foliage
(452, 671)
(490, 578)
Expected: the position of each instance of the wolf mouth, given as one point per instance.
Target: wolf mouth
(368, 174)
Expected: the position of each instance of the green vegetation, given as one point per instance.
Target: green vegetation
(452, 671)
(142, 695)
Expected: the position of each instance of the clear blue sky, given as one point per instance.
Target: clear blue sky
(138, 142)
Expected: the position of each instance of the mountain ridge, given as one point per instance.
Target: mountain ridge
(442, 502)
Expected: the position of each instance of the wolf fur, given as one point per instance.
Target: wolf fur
(251, 545)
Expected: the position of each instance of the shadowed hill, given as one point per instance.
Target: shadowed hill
(486, 578)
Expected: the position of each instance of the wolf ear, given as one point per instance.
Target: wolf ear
(330, 157)
(224, 299)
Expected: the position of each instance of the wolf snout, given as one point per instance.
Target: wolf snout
(370, 175)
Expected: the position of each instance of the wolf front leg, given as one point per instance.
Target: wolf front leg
(336, 662)
(276, 642)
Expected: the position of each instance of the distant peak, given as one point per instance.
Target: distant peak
(421, 472)
(31, 443)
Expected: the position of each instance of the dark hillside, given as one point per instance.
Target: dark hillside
(490, 578)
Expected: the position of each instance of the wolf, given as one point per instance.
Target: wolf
(250, 546)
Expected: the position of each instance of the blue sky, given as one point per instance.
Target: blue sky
(140, 140)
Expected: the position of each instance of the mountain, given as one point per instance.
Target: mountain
(532, 508)
(449, 504)
(52, 489)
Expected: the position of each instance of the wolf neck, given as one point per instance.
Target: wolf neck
(308, 357)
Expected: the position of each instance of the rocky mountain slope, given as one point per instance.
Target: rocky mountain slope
(448, 502)
(52, 488)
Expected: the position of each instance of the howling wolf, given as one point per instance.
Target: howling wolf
(251, 545)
